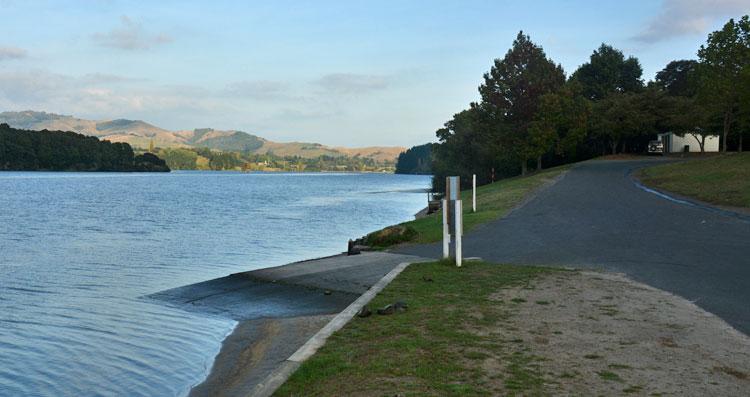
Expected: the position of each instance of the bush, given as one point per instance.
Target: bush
(391, 235)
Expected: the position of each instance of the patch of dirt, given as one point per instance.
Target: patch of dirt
(603, 334)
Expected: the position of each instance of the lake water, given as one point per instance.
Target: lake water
(78, 252)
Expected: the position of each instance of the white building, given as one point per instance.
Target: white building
(677, 144)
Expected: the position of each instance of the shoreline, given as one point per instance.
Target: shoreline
(247, 353)
(277, 309)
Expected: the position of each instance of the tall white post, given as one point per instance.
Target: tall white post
(446, 232)
(474, 193)
(459, 231)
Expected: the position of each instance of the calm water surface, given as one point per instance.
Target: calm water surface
(78, 251)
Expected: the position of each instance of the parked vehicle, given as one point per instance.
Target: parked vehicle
(656, 147)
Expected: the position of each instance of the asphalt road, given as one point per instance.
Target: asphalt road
(596, 216)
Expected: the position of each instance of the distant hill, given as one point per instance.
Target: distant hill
(140, 134)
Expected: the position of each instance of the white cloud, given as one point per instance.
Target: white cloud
(351, 83)
(687, 17)
(7, 53)
(100, 96)
(130, 36)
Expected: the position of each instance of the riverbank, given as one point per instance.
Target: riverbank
(277, 309)
(494, 201)
(487, 329)
(262, 340)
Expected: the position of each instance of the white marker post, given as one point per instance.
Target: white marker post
(446, 231)
(474, 193)
(458, 232)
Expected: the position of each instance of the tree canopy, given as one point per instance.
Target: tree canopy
(415, 160)
(609, 72)
(22, 150)
(529, 111)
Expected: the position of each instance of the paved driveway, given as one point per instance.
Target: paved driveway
(596, 216)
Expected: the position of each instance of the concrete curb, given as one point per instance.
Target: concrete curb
(690, 202)
(277, 378)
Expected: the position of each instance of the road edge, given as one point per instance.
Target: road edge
(683, 200)
(277, 378)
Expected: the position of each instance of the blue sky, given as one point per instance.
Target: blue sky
(350, 73)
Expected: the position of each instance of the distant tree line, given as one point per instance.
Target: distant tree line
(416, 160)
(211, 159)
(532, 115)
(22, 150)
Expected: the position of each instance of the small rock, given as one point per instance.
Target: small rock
(400, 306)
(327, 292)
(364, 312)
(388, 309)
(427, 279)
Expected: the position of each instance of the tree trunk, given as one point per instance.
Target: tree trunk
(701, 142)
(739, 148)
(614, 147)
(539, 161)
(727, 122)
(523, 167)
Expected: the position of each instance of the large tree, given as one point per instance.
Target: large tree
(624, 117)
(722, 60)
(561, 122)
(678, 78)
(685, 115)
(609, 72)
(512, 90)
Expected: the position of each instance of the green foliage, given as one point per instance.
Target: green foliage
(511, 92)
(723, 60)
(22, 150)
(210, 159)
(391, 236)
(678, 78)
(415, 160)
(624, 116)
(526, 111)
(179, 159)
(609, 72)
(561, 122)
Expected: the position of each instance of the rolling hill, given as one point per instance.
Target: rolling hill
(140, 134)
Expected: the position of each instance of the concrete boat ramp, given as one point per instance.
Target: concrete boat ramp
(278, 310)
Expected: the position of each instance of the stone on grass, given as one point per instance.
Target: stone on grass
(387, 309)
(364, 312)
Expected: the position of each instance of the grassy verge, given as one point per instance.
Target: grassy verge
(722, 180)
(493, 201)
(435, 347)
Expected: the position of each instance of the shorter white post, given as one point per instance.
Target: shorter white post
(459, 231)
(474, 193)
(446, 232)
